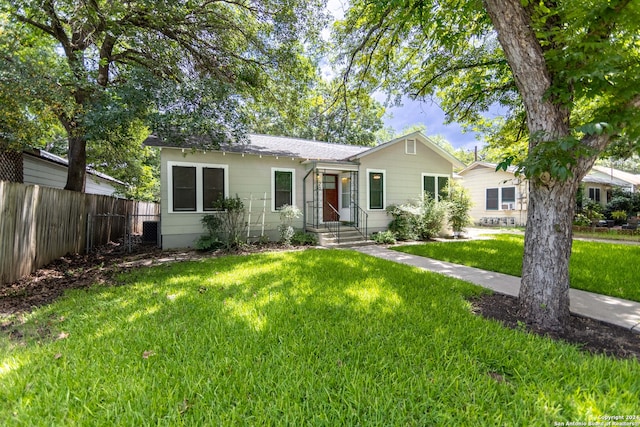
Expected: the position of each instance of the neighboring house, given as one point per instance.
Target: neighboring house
(632, 180)
(500, 198)
(328, 182)
(39, 167)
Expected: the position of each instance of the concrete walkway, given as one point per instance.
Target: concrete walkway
(607, 309)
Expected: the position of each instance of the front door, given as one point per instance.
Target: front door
(329, 197)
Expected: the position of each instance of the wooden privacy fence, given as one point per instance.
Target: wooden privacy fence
(40, 224)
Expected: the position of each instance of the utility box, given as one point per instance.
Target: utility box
(150, 232)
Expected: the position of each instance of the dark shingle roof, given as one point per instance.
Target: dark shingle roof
(275, 146)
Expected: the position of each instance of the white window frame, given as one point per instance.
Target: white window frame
(384, 189)
(500, 202)
(408, 149)
(199, 182)
(273, 187)
(595, 190)
(435, 175)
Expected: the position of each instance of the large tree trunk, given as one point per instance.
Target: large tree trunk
(77, 164)
(544, 292)
(544, 289)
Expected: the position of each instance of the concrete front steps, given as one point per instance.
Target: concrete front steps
(349, 236)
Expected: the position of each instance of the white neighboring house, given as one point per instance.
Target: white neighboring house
(500, 198)
(328, 182)
(632, 181)
(42, 168)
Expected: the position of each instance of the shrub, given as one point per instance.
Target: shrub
(225, 227)
(384, 237)
(213, 238)
(619, 216)
(404, 224)
(301, 238)
(618, 203)
(458, 205)
(420, 220)
(431, 220)
(233, 220)
(581, 220)
(592, 210)
(287, 214)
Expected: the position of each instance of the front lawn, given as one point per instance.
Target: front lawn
(316, 337)
(600, 267)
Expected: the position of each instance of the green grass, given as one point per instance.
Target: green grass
(318, 337)
(600, 267)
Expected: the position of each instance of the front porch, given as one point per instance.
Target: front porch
(331, 209)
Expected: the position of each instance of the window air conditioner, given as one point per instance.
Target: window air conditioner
(507, 206)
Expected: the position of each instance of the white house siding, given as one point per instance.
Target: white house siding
(403, 176)
(478, 179)
(44, 173)
(248, 176)
(49, 174)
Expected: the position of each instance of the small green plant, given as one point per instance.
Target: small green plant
(384, 237)
(301, 238)
(287, 214)
(458, 205)
(619, 216)
(593, 211)
(212, 240)
(581, 220)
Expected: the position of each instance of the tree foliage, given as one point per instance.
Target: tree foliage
(321, 112)
(104, 66)
(450, 50)
(565, 74)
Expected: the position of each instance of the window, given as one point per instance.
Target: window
(508, 194)
(410, 146)
(503, 198)
(346, 192)
(212, 187)
(435, 185)
(376, 185)
(492, 199)
(594, 194)
(184, 188)
(195, 186)
(283, 188)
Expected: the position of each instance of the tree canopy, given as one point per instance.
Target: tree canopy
(322, 112)
(103, 68)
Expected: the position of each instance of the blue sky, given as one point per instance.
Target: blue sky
(431, 115)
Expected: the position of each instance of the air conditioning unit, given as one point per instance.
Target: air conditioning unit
(507, 206)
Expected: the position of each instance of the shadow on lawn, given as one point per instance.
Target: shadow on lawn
(313, 332)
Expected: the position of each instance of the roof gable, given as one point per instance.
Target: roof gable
(418, 136)
(616, 173)
(485, 165)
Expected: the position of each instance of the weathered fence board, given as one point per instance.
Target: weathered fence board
(40, 224)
